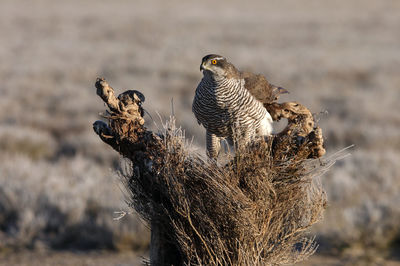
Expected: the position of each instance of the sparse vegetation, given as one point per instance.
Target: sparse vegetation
(48, 215)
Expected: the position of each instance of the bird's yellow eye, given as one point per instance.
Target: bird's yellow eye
(214, 62)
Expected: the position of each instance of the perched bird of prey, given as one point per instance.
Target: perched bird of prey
(230, 104)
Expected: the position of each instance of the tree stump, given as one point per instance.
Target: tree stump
(251, 211)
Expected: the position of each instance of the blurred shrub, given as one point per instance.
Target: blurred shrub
(69, 205)
(364, 195)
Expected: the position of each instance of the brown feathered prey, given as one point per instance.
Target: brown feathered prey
(230, 104)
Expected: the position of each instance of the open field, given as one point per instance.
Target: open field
(72, 258)
(58, 186)
(66, 258)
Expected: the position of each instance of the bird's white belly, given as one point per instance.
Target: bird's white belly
(265, 128)
(240, 120)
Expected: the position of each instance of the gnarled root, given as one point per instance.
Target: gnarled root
(301, 136)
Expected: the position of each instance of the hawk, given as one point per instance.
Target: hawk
(230, 104)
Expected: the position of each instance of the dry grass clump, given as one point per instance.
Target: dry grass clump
(251, 211)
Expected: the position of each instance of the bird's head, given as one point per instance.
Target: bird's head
(217, 65)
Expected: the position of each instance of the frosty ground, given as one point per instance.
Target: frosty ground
(58, 185)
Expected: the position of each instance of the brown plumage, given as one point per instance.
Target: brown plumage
(260, 88)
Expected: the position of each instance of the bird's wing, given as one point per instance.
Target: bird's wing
(260, 88)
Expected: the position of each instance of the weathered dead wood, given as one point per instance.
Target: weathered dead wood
(127, 135)
(249, 212)
(301, 138)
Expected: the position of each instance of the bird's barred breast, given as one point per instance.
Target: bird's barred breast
(225, 105)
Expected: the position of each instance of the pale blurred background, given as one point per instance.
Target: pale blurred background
(58, 182)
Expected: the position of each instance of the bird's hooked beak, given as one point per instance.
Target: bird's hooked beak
(202, 66)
